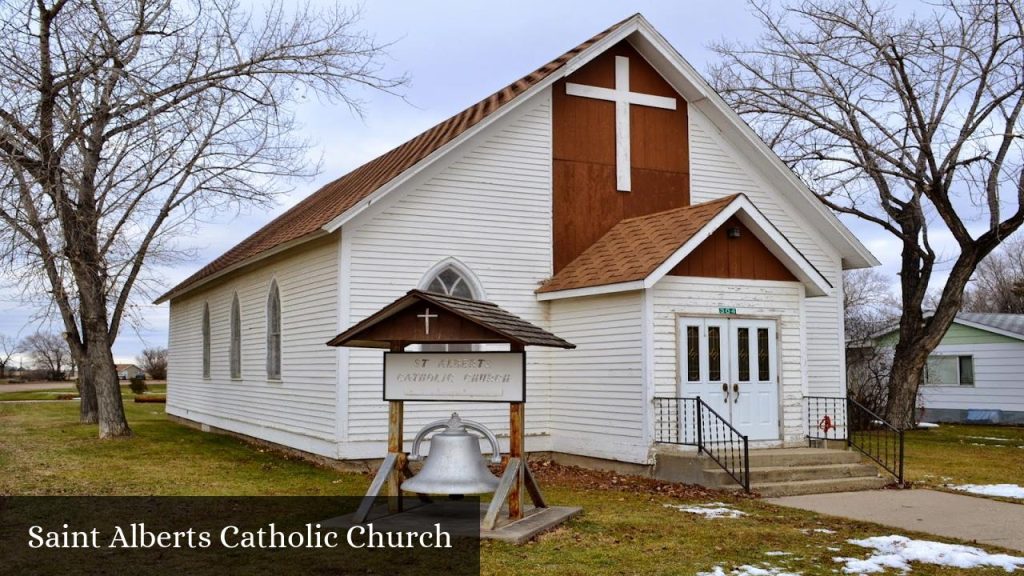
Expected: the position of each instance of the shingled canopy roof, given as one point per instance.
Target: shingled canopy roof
(637, 252)
(307, 218)
(500, 323)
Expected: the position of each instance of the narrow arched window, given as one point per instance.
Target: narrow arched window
(206, 340)
(236, 339)
(450, 282)
(274, 333)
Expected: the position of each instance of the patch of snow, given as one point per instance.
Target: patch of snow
(818, 530)
(832, 549)
(898, 552)
(778, 553)
(748, 570)
(989, 438)
(988, 445)
(709, 510)
(926, 425)
(1003, 490)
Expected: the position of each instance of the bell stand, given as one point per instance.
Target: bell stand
(515, 480)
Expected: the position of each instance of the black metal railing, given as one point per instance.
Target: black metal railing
(835, 418)
(691, 422)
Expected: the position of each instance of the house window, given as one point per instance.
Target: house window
(942, 370)
(274, 333)
(206, 340)
(450, 282)
(236, 339)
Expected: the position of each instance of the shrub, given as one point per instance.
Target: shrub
(137, 384)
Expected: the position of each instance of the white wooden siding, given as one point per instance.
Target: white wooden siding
(998, 377)
(489, 207)
(597, 390)
(717, 170)
(674, 295)
(299, 409)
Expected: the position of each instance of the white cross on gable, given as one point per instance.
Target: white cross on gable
(622, 98)
(426, 319)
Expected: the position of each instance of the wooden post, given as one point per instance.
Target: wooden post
(517, 449)
(517, 416)
(396, 416)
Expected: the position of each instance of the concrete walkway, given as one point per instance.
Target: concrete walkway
(951, 515)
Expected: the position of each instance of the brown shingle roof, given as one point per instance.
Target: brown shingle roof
(310, 215)
(486, 314)
(635, 247)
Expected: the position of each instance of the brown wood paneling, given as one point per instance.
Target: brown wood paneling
(406, 326)
(722, 257)
(586, 203)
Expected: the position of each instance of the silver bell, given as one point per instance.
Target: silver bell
(454, 465)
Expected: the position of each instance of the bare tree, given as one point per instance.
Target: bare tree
(910, 123)
(50, 353)
(869, 307)
(8, 348)
(998, 283)
(153, 361)
(122, 122)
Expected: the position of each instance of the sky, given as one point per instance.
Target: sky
(454, 53)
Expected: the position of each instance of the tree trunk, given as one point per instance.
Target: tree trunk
(88, 412)
(904, 381)
(112, 420)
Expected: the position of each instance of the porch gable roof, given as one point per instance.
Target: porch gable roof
(638, 252)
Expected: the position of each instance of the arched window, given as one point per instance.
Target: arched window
(236, 339)
(274, 333)
(206, 339)
(451, 281)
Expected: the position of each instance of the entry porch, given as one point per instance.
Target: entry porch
(848, 448)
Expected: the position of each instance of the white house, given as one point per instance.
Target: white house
(976, 373)
(610, 197)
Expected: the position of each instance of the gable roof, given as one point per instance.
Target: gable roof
(485, 314)
(638, 252)
(1011, 325)
(309, 216)
(328, 208)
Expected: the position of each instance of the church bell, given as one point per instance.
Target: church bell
(455, 464)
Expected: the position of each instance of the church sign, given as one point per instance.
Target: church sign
(455, 376)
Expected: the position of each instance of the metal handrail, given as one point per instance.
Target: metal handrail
(742, 476)
(674, 426)
(878, 449)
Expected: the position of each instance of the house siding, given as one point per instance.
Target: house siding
(716, 170)
(489, 207)
(597, 390)
(998, 365)
(299, 409)
(677, 295)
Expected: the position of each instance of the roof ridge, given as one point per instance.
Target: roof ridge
(722, 200)
(336, 197)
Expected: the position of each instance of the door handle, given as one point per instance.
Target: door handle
(736, 391)
(725, 388)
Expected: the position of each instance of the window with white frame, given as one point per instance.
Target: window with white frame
(274, 333)
(949, 370)
(206, 340)
(236, 339)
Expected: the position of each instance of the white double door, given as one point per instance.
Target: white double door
(731, 364)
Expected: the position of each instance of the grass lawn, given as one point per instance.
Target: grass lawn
(626, 527)
(965, 454)
(61, 393)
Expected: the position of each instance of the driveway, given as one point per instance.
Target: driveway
(33, 386)
(951, 515)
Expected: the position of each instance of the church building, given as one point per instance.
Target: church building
(610, 197)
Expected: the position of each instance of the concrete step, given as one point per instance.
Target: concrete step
(776, 489)
(799, 457)
(773, 474)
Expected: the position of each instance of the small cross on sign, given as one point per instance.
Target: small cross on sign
(426, 319)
